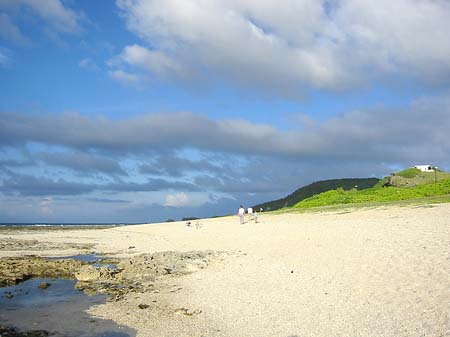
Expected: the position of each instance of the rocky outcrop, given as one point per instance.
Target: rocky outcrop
(139, 273)
(89, 273)
(136, 274)
(150, 266)
(19, 269)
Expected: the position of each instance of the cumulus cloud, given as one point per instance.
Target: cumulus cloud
(187, 152)
(56, 18)
(27, 185)
(153, 61)
(81, 162)
(417, 131)
(175, 166)
(124, 77)
(292, 47)
(30, 185)
(177, 200)
(151, 185)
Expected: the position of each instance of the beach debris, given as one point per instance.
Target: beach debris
(143, 306)
(188, 312)
(131, 247)
(44, 285)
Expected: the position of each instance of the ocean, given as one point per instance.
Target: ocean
(50, 224)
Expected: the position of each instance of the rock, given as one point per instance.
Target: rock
(18, 269)
(133, 275)
(88, 274)
(12, 332)
(44, 285)
(9, 295)
(143, 306)
(187, 312)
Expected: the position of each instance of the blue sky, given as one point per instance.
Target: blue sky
(143, 110)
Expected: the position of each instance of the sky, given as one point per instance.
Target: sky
(135, 111)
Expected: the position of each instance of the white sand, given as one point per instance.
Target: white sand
(371, 272)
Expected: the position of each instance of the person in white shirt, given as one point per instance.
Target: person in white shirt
(241, 213)
(250, 213)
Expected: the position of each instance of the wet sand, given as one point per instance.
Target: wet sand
(382, 271)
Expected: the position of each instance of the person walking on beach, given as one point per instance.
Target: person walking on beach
(250, 213)
(241, 213)
(255, 216)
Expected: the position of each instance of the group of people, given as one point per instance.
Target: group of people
(252, 214)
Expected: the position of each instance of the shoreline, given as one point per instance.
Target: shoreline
(378, 271)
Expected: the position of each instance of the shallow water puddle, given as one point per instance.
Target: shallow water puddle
(90, 258)
(93, 258)
(58, 309)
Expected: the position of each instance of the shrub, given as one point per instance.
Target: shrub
(409, 173)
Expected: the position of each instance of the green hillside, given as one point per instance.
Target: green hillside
(376, 194)
(316, 188)
(413, 177)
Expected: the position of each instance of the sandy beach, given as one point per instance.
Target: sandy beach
(382, 271)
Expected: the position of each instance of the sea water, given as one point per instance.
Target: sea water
(59, 309)
(43, 224)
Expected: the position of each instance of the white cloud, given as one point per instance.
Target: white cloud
(293, 46)
(61, 18)
(123, 76)
(5, 57)
(88, 64)
(46, 206)
(134, 57)
(55, 18)
(153, 61)
(177, 200)
(9, 31)
(418, 131)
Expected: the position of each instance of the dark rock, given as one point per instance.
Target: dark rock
(12, 332)
(143, 306)
(44, 285)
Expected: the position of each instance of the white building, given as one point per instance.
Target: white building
(425, 168)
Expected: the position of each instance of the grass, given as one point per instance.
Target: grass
(409, 172)
(316, 188)
(376, 195)
(348, 208)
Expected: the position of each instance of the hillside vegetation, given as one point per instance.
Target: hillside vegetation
(376, 194)
(413, 177)
(316, 188)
